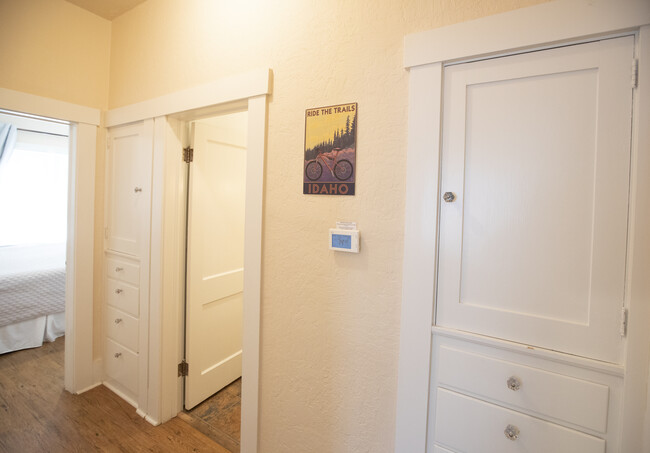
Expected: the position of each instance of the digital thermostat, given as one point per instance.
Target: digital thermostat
(345, 237)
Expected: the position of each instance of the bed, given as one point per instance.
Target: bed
(32, 295)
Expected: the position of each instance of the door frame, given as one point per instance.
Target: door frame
(81, 373)
(542, 26)
(247, 91)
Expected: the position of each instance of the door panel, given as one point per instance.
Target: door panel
(215, 262)
(536, 150)
(129, 160)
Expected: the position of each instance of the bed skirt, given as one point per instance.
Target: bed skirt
(31, 333)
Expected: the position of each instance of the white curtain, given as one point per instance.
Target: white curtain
(8, 133)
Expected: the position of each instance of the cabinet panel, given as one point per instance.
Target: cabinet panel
(473, 426)
(122, 365)
(123, 296)
(129, 170)
(122, 328)
(123, 270)
(565, 398)
(536, 161)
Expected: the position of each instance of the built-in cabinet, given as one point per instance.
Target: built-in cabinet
(129, 158)
(529, 330)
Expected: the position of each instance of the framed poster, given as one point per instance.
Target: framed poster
(330, 150)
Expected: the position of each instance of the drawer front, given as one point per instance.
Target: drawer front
(123, 296)
(122, 328)
(123, 270)
(122, 365)
(560, 397)
(473, 426)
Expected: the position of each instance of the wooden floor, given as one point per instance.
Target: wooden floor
(219, 417)
(37, 415)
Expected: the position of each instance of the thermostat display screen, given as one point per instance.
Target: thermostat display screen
(342, 241)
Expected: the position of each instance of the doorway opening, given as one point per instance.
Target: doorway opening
(214, 295)
(34, 192)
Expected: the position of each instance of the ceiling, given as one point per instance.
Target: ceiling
(108, 9)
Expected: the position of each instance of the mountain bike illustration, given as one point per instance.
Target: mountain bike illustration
(340, 169)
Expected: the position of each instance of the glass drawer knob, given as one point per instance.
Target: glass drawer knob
(449, 197)
(514, 383)
(511, 432)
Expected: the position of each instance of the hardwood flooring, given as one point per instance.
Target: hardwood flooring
(37, 415)
(219, 417)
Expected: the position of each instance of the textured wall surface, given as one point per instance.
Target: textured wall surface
(54, 49)
(330, 322)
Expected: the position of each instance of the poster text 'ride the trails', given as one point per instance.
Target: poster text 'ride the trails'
(330, 150)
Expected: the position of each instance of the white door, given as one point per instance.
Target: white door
(536, 152)
(215, 261)
(129, 161)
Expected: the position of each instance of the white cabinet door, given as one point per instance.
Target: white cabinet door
(129, 163)
(215, 263)
(536, 152)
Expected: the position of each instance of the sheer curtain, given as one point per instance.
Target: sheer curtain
(8, 133)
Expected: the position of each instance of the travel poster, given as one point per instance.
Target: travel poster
(330, 150)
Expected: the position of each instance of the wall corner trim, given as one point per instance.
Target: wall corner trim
(223, 90)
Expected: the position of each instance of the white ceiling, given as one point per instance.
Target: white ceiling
(108, 9)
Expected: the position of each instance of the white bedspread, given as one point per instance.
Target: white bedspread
(28, 295)
(32, 295)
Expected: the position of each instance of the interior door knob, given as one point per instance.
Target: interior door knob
(449, 197)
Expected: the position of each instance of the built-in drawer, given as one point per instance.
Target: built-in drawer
(470, 425)
(562, 398)
(123, 296)
(122, 327)
(121, 365)
(123, 270)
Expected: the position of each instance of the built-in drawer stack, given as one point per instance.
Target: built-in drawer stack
(496, 396)
(121, 324)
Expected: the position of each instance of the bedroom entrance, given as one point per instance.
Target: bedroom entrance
(34, 168)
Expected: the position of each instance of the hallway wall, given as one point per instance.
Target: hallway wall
(54, 49)
(330, 322)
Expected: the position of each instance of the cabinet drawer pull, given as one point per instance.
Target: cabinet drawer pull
(118, 355)
(137, 189)
(511, 432)
(118, 320)
(514, 383)
(118, 291)
(119, 269)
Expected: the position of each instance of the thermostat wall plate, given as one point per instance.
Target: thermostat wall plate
(345, 237)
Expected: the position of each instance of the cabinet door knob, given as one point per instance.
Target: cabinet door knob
(511, 432)
(449, 197)
(514, 383)
(119, 269)
(137, 189)
(118, 320)
(117, 355)
(118, 291)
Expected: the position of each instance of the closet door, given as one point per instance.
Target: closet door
(535, 172)
(129, 163)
